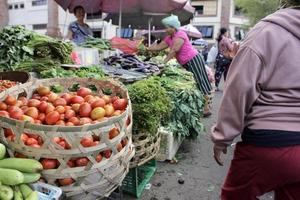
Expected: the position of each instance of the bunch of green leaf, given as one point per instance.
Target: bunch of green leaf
(184, 121)
(13, 46)
(151, 105)
(98, 43)
(84, 72)
(37, 65)
(47, 47)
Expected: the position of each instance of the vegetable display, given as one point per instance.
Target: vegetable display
(13, 46)
(84, 72)
(5, 84)
(15, 174)
(151, 105)
(131, 62)
(98, 43)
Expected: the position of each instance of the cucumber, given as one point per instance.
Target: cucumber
(21, 164)
(11, 177)
(17, 193)
(6, 193)
(2, 151)
(33, 196)
(31, 177)
(25, 190)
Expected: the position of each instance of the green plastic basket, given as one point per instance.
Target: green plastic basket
(137, 178)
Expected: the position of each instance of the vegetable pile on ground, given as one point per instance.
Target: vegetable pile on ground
(84, 72)
(188, 103)
(150, 104)
(5, 84)
(131, 62)
(15, 174)
(13, 46)
(98, 43)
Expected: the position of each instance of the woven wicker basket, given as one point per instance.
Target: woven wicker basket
(146, 148)
(94, 180)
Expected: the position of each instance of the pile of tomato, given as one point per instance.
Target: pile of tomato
(5, 84)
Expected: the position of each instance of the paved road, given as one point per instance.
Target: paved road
(202, 176)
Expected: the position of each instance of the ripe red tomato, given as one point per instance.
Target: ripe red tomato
(75, 121)
(65, 181)
(31, 141)
(80, 162)
(69, 114)
(77, 99)
(32, 112)
(107, 153)
(99, 158)
(60, 102)
(3, 106)
(120, 104)
(49, 163)
(83, 91)
(43, 106)
(52, 117)
(33, 103)
(10, 100)
(98, 103)
(87, 141)
(85, 110)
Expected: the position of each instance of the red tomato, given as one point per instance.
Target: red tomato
(52, 117)
(43, 106)
(98, 103)
(52, 97)
(27, 118)
(20, 155)
(76, 107)
(77, 99)
(67, 97)
(83, 91)
(60, 123)
(49, 163)
(32, 112)
(35, 145)
(42, 117)
(36, 96)
(43, 90)
(106, 98)
(114, 98)
(65, 181)
(50, 108)
(117, 113)
(33, 103)
(80, 162)
(69, 114)
(120, 104)
(87, 141)
(99, 157)
(68, 108)
(44, 98)
(31, 141)
(10, 100)
(85, 120)
(60, 102)
(16, 114)
(24, 100)
(113, 133)
(35, 136)
(3, 106)
(124, 142)
(109, 110)
(119, 147)
(62, 144)
(4, 114)
(56, 140)
(107, 153)
(8, 132)
(40, 140)
(36, 121)
(19, 103)
(60, 109)
(69, 124)
(85, 110)
(71, 163)
(24, 108)
(75, 121)
(128, 121)
(11, 138)
(89, 98)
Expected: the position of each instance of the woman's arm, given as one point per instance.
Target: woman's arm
(158, 47)
(175, 48)
(70, 35)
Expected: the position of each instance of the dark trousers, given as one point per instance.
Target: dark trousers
(255, 171)
(222, 67)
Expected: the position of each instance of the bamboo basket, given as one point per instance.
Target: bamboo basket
(146, 148)
(93, 181)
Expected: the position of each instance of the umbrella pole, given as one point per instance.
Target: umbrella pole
(120, 18)
(149, 32)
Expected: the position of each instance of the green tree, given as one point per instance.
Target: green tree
(255, 10)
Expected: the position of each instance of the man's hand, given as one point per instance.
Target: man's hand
(218, 150)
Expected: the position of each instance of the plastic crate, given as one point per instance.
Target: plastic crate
(46, 191)
(137, 178)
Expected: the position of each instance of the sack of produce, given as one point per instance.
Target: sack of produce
(78, 132)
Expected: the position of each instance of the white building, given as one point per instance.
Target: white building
(33, 14)
(211, 15)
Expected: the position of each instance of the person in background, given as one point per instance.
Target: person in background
(186, 55)
(223, 60)
(262, 103)
(79, 30)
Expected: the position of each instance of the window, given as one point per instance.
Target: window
(238, 11)
(10, 7)
(207, 31)
(199, 10)
(16, 6)
(126, 32)
(39, 2)
(39, 26)
(22, 5)
(97, 15)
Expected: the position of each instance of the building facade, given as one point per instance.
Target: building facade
(211, 15)
(33, 14)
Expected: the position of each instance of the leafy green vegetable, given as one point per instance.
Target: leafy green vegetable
(151, 105)
(74, 87)
(57, 88)
(98, 43)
